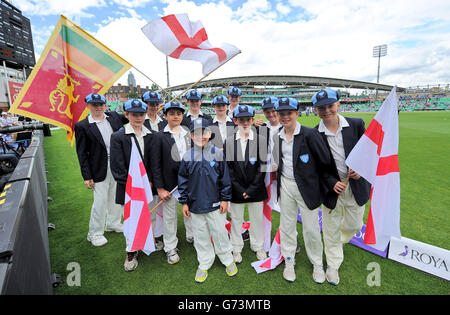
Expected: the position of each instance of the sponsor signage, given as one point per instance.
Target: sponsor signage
(422, 256)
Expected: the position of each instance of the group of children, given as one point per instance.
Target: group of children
(218, 166)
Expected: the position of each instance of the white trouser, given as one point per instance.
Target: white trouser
(170, 209)
(255, 213)
(152, 216)
(337, 231)
(290, 201)
(207, 225)
(104, 212)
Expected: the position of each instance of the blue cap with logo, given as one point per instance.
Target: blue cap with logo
(135, 105)
(234, 91)
(152, 97)
(173, 104)
(325, 97)
(95, 98)
(220, 99)
(286, 103)
(269, 102)
(243, 111)
(193, 95)
(199, 123)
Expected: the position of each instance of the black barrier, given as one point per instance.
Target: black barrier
(24, 250)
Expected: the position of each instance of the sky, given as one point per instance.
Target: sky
(332, 38)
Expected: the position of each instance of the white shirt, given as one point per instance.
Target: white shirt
(179, 140)
(154, 124)
(222, 126)
(194, 117)
(336, 144)
(287, 151)
(244, 142)
(272, 131)
(105, 130)
(140, 138)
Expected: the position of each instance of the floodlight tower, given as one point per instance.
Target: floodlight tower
(379, 51)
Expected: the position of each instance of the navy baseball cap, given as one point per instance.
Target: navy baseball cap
(152, 97)
(286, 103)
(172, 104)
(95, 98)
(243, 111)
(220, 99)
(269, 102)
(234, 91)
(325, 97)
(193, 95)
(135, 106)
(199, 123)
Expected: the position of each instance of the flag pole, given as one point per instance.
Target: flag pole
(161, 201)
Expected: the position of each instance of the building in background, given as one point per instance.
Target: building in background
(16, 52)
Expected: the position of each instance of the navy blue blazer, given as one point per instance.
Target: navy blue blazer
(91, 149)
(311, 162)
(166, 160)
(361, 187)
(217, 140)
(120, 160)
(247, 169)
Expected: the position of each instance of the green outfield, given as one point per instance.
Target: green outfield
(424, 151)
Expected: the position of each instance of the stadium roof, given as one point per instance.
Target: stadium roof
(288, 81)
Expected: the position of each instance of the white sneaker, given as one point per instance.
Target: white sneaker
(190, 239)
(237, 257)
(172, 256)
(332, 276)
(318, 274)
(289, 271)
(131, 262)
(201, 275)
(260, 255)
(159, 245)
(97, 240)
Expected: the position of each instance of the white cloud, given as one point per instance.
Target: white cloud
(283, 9)
(69, 8)
(327, 39)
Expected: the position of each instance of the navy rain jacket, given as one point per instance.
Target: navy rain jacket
(203, 179)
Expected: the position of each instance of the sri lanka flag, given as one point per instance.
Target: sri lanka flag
(72, 65)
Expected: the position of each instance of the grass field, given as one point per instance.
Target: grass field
(424, 150)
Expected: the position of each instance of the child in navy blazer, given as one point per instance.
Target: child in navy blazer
(303, 179)
(340, 134)
(92, 136)
(246, 154)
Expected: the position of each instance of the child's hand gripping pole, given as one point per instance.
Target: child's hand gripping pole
(345, 183)
(161, 201)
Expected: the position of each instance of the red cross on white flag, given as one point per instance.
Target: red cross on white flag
(178, 37)
(375, 157)
(137, 223)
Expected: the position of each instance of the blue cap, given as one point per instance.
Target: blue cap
(325, 97)
(173, 104)
(243, 111)
(269, 102)
(135, 106)
(220, 99)
(199, 123)
(152, 97)
(234, 91)
(95, 98)
(286, 103)
(193, 95)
